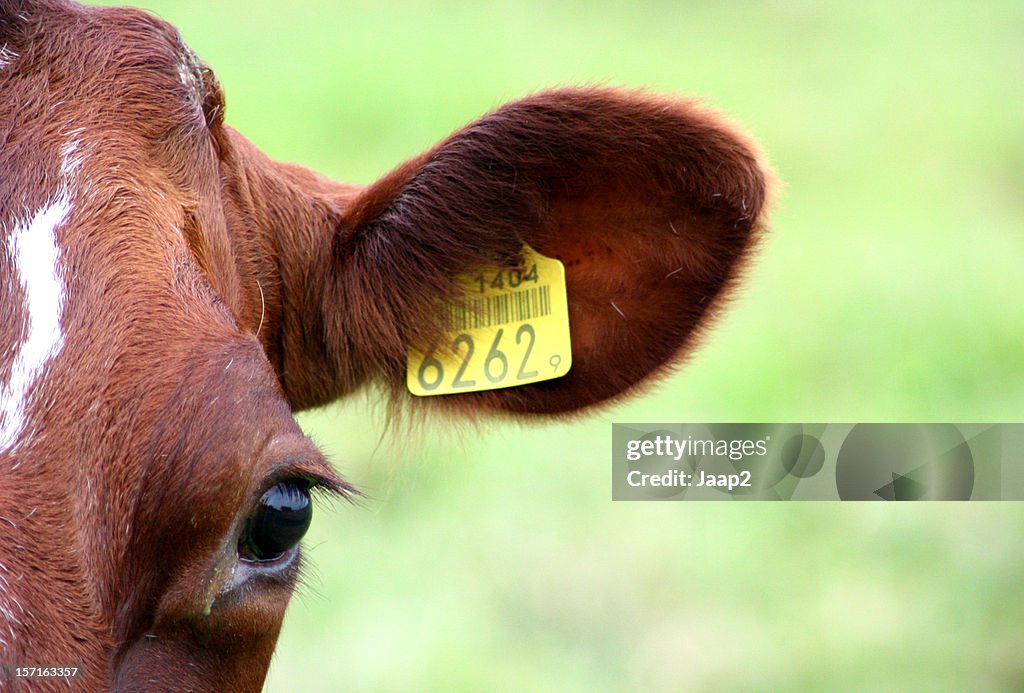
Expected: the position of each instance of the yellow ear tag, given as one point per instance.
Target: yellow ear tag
(512, 330)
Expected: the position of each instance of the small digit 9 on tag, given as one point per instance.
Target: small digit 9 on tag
(512, 329)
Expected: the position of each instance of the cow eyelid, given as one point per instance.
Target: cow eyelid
(315, 481)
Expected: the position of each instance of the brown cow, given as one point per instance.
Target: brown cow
(169, 297)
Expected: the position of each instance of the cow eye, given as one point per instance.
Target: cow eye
(280, 520)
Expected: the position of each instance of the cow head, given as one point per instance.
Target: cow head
(169, 297)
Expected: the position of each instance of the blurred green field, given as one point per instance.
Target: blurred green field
(891, 289)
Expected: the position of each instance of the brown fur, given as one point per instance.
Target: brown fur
(211, 292)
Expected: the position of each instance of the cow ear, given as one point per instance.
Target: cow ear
(652, 204)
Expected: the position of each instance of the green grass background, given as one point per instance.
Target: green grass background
(889, 290)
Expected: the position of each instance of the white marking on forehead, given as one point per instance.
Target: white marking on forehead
(72, 160)
(7, 56)
(36, 259)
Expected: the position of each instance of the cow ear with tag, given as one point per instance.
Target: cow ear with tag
(622, 214)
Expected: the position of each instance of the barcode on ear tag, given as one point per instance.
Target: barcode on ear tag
(512, 329)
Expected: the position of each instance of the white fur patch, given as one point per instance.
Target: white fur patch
(72, 157)
(7, 57)
(35, 256)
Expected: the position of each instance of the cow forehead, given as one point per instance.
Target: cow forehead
(113, 168)
(129, 390)
(115, 177)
